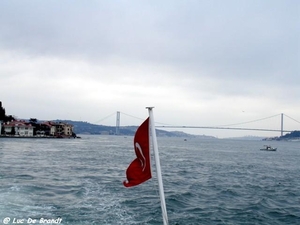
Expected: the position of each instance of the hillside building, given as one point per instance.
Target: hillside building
(18, 128)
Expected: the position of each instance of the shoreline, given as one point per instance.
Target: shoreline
(39, 137)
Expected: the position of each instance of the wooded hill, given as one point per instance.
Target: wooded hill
(81, 127)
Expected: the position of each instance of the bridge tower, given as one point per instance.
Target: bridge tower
(118, 123)
(281, 124)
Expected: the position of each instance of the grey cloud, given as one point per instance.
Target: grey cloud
(211, 48)
(224, 38)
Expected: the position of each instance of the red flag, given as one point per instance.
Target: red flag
(140, 170)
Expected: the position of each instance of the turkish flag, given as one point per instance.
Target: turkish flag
(140, 170)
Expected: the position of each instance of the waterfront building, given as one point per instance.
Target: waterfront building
(18, 128)
(59, 129)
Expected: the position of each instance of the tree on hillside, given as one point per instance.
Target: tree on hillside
(2, 114)
(36, 126)
(8, 118)
(33, 120)
(293, 134)
(13, 131)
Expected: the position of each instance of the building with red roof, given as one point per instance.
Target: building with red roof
(18, 128)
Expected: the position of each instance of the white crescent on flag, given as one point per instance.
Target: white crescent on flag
(142, 158)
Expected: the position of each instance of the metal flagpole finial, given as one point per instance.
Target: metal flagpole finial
(150, 107)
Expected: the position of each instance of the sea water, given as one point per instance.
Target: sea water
(206, 181)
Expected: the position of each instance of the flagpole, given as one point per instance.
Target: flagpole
(158, 169)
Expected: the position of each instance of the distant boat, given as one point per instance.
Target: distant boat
(268, 148)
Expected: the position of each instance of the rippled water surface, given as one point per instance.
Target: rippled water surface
(206, 181)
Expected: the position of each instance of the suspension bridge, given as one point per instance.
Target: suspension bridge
(225, 127)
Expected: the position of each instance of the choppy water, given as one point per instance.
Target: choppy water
(79, 181)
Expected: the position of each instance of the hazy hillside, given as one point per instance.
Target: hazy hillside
(81, 127)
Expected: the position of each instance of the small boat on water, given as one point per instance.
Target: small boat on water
(268, 148)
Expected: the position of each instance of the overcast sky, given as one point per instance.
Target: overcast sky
(200, 63)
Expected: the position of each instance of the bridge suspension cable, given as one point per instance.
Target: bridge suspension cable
(98, 121)
(292, 118)
(224, 128)
(239, 128)
(227, 126)
(142, 119)
(252, 121)
(131, 116)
